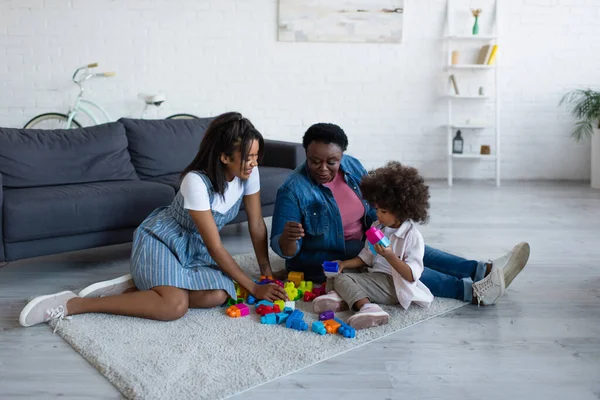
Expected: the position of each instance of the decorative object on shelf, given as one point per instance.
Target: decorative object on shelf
(457, 143)
(492, 56)
(481, 91)
(476, 13)
(455, 57)
(585, 106)
(485, 149)
(375, 21)
(454, 85)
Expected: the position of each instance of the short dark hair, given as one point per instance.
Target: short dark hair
(325, 133)
(398, 189)
(227, 133)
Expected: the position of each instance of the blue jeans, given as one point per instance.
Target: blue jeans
(447, 275)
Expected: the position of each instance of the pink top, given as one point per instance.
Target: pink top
(350, 205)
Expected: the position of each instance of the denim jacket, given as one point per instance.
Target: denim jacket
(301, 199)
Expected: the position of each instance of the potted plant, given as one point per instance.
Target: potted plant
(585, 106)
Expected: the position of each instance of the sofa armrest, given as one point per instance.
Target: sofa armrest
(283, 154)
(2, 255)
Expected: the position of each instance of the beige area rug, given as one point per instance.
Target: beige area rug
(207, 355)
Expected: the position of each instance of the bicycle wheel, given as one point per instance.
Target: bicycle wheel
(183, 116)
(51, 121)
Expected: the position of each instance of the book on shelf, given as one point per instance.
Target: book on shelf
(487, 54)
(484, 54)
(492, 57)
(454, 84)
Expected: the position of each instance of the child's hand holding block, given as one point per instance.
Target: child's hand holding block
(375, 236)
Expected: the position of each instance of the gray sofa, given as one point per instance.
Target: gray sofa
(65, 190)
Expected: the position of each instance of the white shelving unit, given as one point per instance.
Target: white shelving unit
(473, 129)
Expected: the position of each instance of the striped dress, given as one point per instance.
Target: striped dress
(169, 251)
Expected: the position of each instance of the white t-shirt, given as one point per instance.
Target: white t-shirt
(195, 192)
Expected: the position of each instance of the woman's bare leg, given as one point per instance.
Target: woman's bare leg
(164, 303)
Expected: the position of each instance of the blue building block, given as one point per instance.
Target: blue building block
(269, 319)
(299, 325)
(288, 310)
(264, 302)
(345, 330)
(281, 317)
(251, 299)
(295, 321)
(319, 328)
(330, 268)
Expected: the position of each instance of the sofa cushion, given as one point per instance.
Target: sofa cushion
(53, 211)
(38, 157)
(163, 147)
(270, 180)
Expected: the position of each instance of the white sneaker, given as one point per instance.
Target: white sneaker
(46, 308)
(488, 290)
(370, 315)
(329, 302)
(513, 262)
(112, 287)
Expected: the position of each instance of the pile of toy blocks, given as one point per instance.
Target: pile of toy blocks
(280, 312)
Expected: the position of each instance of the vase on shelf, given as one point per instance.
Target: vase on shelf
(476, 26)
(476, 13)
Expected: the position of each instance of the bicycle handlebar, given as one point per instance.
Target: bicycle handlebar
(109, 73)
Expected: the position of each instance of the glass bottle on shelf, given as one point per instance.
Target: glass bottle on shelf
(457, 143)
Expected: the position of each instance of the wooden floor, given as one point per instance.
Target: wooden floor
(541, 341)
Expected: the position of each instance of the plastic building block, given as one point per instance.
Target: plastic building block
(288, 310)
(269, 319)
(320, 291)
(244, 309)
(265, 303)
(233, 302)
(295, 321)
(296, 277)
(276, 309)
(325, 315)
(375, 236)
(281, 317)
(345, 330)
(291, 290)
(269, 277)
(332, 326)
(319, 328)
(233, 312)
(299, 325)
(331, 268)
(306, 286)
(240, 292)
(264, 310)
(280, 303)
(309, 296)
(290, 304)
(251, 299)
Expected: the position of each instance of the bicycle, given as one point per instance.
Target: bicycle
(55, 120)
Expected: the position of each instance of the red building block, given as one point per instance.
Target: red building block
(309, 296)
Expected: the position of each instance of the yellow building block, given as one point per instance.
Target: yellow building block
(280, 303)
(306, 286)
(291, 290)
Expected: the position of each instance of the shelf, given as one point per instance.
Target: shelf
(475, 156)
(456, 126)
(471, 66)
(471, 37)
(454, 96)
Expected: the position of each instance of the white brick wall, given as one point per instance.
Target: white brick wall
(217, 55)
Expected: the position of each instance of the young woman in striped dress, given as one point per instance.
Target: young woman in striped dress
(178, 260)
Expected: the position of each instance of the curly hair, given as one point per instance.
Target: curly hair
(398, 189)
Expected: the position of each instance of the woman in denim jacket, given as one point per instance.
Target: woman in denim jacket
(320, 215)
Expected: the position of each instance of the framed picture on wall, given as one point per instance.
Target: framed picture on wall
(367, 21)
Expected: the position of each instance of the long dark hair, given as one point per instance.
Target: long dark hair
(227, 133)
